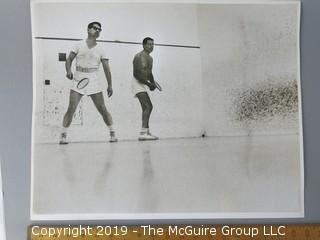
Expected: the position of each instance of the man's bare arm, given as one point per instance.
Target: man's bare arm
(150, 73)
(107, 73)
(68, 64)
(151, 77)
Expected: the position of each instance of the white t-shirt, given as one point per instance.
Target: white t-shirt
(88, 58)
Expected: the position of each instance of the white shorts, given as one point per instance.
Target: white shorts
(137, 87)
(93, 86)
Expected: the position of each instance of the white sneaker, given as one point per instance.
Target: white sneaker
(113, 137)
(147, 136)
(63, 138)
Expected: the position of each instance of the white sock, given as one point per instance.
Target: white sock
(64, 130)
(111, 129)
(144, 130)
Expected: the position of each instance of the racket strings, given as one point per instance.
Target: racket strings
(83, 83)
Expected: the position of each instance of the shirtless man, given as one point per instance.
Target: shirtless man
(143, 78)
(88, 55)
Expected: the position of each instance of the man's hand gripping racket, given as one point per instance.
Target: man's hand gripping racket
(155, 85)
(82, 83)
(69, 75)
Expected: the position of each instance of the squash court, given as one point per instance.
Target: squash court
(229, 72)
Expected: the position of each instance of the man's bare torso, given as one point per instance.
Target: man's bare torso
(142, 63)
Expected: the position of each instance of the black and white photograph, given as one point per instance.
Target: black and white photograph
(158, 110)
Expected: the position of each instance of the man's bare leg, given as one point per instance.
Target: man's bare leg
(74, 100)
(98, 101)
(147, 107)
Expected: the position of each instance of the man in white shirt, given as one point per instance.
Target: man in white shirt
(88, 55)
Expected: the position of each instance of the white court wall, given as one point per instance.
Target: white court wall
(177, 110)
(250, 61)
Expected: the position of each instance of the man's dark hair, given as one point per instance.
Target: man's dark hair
(90, 25)
(146, 40)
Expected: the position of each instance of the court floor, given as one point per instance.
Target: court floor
(192, 177)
